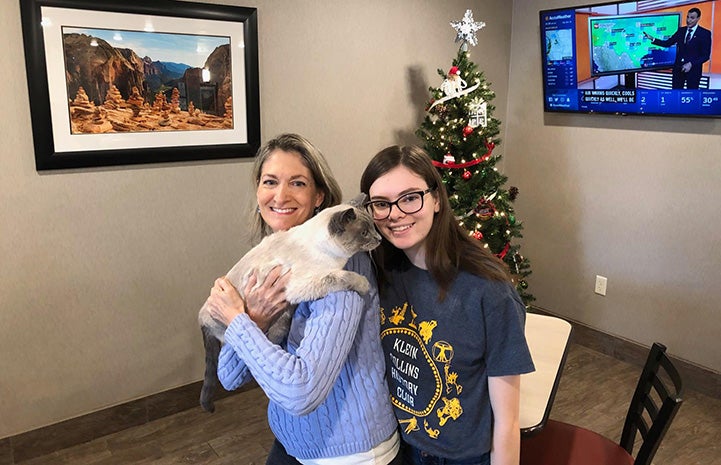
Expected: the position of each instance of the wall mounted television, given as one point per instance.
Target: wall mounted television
(621, 58)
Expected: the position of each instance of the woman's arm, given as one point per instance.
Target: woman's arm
(300, 381)
(263, 304)
(505, 394)
(232, 370)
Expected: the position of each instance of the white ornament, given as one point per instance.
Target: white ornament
(477, 113)
(466, 28)
(448, 159)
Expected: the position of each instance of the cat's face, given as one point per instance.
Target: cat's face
(353, 229)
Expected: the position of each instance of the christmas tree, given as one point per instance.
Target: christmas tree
(461, 135)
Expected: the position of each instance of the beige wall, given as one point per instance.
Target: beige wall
(102, 271)
(635, 199)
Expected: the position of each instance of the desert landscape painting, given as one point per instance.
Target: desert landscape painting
(136, 81)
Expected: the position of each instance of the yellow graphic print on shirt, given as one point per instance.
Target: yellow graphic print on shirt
(451, 379)
(412, 424)
(433, 433)
(398, 314)
(426, 330)
(420, 372)
(451, 409)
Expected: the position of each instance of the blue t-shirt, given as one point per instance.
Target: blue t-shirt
(439, 356)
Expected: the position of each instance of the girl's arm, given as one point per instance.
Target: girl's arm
(505, 394)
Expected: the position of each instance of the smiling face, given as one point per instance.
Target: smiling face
(407, 232)
(692, 19)
(286, 191)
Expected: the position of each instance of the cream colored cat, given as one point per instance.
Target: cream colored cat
(315, 253)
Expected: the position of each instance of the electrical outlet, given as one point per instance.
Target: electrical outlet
(601, 283)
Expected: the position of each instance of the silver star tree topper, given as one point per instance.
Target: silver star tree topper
(466, 29)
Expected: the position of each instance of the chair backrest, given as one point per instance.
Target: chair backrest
(654, 405)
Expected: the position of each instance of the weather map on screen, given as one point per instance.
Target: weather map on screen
(632, 57)
(618, 43)
(558, 44)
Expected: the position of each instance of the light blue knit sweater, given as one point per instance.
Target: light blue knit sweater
(327, 392)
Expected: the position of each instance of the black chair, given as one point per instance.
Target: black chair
(560, 443)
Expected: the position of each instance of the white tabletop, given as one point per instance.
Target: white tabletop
(547, 338)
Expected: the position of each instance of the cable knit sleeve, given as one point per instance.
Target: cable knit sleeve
(300, 381)
(232, 370)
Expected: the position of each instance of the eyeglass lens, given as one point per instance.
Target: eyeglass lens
(408, 203)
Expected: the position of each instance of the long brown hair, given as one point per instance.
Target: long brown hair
(312, 158)
(449, 248)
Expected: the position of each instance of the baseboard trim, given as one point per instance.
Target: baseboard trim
(35, 443)
(696, 377)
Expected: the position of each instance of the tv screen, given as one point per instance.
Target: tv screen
(632, 58)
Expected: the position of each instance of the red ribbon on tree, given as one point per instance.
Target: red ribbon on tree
(490, 146)
(467, 164)
(504, 252)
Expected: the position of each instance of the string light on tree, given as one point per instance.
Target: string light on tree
(461, 134)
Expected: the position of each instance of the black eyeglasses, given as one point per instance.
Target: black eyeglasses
(411, 202)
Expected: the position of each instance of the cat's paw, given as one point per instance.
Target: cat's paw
(357, 283)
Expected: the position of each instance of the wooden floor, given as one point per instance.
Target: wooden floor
(594, 392)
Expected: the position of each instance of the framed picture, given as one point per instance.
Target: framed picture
(117, 82)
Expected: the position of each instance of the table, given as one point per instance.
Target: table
(547, 338)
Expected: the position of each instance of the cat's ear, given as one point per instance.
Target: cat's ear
(358, 200)
(340, 220)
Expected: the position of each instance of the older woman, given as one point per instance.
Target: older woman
(329, 403)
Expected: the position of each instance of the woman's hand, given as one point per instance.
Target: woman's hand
(265, 303)
(225, 302)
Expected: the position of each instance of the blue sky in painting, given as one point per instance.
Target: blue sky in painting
(189, 49)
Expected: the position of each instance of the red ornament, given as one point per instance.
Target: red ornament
(466, 175)
(490, 146)
(467, 131)
(477, 235)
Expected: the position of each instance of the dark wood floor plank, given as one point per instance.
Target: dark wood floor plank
(90, 453)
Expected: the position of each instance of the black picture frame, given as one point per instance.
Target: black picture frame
(242, 139)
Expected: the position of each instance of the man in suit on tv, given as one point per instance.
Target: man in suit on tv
(693, 49)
